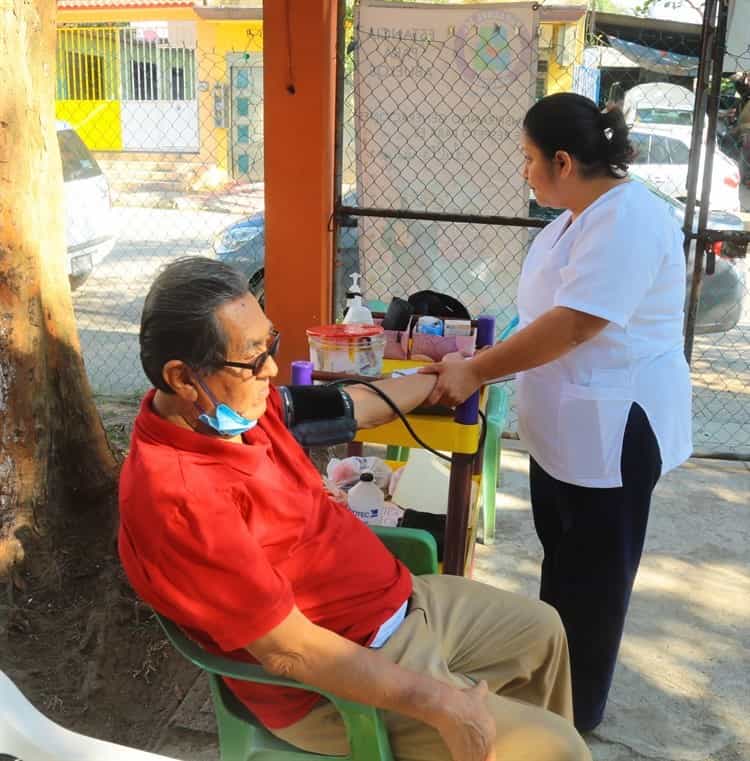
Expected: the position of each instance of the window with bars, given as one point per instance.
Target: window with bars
(541, 78)
(99, 62)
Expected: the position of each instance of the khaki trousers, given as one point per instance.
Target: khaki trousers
(460, 632)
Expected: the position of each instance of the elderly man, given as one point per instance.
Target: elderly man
(227, 530)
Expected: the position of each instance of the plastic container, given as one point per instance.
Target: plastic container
(355, 349)
(427, 346)
(365, 499)
(432, 326)
(358, 313)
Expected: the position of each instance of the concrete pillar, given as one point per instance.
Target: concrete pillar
(299, 58)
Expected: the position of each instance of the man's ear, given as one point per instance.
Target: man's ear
(178, 376)
(564, 162)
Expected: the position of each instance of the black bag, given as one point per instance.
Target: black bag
(432, 523)
(437, 304)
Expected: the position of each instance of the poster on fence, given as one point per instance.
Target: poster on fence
(440, 96)
(737, 56)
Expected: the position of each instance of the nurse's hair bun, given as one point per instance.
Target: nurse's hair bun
(615, 131)
(572, 123)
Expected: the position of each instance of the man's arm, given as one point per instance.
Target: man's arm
(407, 393)
(300, 650)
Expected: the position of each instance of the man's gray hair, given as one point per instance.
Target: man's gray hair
(179, 316)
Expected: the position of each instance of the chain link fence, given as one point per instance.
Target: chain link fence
(434, 197)
(161, 138)
(161, 143)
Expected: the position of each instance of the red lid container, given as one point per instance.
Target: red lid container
(342, 332)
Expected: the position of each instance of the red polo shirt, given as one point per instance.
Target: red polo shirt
(225, 538)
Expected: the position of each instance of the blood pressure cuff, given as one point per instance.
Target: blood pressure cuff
(318, 416)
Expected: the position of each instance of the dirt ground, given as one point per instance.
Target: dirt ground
(84, 650)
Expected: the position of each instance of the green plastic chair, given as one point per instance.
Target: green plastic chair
(243, 738)
(497, 412)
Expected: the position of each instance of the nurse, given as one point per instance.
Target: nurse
(604, 398)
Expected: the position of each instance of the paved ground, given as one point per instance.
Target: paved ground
(681, 688)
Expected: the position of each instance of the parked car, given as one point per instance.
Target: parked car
(662, 157)
(88, 208)
(722, 293)
(243, 246)
(659, 103)
(660, 115)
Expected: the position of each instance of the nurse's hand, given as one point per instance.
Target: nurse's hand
(457, 381)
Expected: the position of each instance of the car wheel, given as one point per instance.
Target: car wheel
(257, 286)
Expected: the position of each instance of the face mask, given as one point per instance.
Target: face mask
(225, 421)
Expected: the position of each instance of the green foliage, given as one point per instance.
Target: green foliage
(642, 9)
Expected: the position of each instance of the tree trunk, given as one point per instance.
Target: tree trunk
(57, 473)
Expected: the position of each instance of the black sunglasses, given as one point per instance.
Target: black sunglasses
(257, 364)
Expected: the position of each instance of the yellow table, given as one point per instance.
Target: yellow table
(458, 434)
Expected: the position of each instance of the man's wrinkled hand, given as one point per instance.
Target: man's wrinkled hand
(468, 728)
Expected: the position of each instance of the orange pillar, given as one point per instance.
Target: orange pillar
(299, 61)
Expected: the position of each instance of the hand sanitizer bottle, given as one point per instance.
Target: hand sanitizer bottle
(357, 312)
(354, 289)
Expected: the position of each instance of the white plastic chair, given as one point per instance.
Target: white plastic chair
(28, 735)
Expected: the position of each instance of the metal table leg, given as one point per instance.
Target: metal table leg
(457, 520)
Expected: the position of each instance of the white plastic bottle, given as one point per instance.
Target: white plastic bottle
(365, 499)
(354, 289)
(357, 312)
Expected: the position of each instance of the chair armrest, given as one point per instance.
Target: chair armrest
(363, 726)
(414, 547)
(509, 328)
(497, 405)
(218, 664)
(221, 666)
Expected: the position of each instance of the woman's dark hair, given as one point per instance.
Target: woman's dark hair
(179, 316)
(572, 123)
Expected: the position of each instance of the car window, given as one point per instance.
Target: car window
(659, 150)
(639, 141)
(679, 153)
(77, 161)
(664, 116)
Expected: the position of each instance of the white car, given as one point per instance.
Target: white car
(660, 103)
(88, 208)
(662, 156)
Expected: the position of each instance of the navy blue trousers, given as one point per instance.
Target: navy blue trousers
(593, 540)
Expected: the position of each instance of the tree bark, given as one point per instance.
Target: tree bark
(57, 472)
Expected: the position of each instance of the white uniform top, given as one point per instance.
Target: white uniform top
(622, 260)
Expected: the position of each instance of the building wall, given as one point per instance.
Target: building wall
(215, 40)
(99, 121)
(568, 38)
